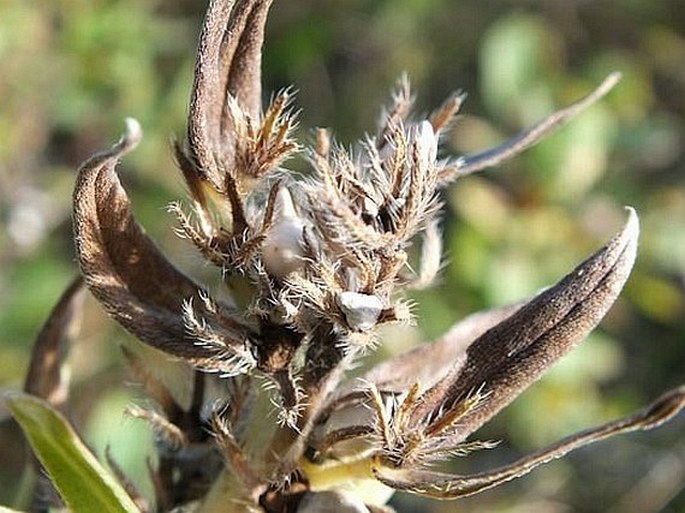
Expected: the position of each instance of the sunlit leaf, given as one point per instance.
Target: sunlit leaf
(84, 484)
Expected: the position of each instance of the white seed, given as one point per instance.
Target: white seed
(426, 142)
(370, 207)
(361, 310)
(282, 249)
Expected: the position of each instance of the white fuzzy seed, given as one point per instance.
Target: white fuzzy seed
(361, 310)
(282, 249)
(427, 143)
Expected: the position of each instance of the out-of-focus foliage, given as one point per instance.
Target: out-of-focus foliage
(70, 71)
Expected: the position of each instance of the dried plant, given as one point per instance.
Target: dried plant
(313, 266)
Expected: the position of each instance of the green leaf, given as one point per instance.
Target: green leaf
(85, 485)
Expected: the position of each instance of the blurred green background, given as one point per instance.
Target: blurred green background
(71, 70)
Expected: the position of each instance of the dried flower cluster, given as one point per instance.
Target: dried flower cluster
(314, 265)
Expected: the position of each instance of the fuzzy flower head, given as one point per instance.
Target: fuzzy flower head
(313, 265)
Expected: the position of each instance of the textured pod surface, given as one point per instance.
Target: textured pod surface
(123, 267)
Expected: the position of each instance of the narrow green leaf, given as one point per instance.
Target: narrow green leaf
(85, 485)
